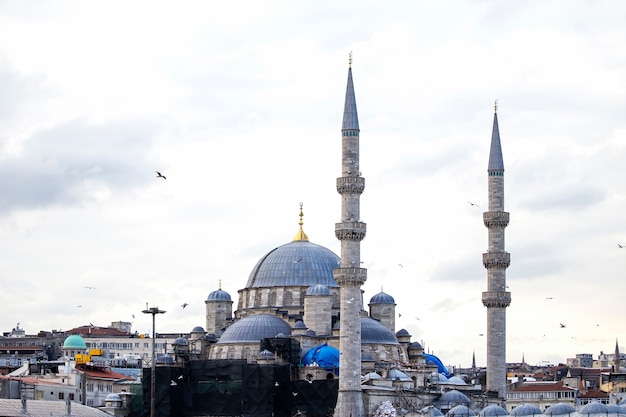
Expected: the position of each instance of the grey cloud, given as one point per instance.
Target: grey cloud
(54, 164)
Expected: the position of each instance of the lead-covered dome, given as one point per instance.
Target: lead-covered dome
(382, 298)
(297, 263)
(373, 331)
(219, 295)
(255, 328)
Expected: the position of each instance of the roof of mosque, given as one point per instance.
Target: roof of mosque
(74, 341)
(525, 410)
(453, 397)
(373, 331)
(382, 298)
(559, 409)
(219, 295)
(297, 263)
(318, 289)
(38, 408)
(593, 407)
(255, 328)
(460, 411)
(493, 410)
(197, 329)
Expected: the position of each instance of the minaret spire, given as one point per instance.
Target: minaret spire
(350, 276)
(496, 260)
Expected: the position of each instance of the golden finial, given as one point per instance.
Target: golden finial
(350, 60)
(495, 106)
(301, 235)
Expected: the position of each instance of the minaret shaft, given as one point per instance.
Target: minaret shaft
(350, 276)
(496, 260)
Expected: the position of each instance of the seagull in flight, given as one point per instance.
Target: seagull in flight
(401, 266)
(619, 245)
(159, 175)
(549, 298)
(183, 305)
(562, 325)
(473, 204)
(91, 288)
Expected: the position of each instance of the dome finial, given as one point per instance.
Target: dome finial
(219, 286)
(495, 106)
(350, 60)
(301, 235)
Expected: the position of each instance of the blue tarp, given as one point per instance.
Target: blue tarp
(436, 361)
(325, 356)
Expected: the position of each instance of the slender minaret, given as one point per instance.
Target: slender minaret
(496, 260)
(350, 276)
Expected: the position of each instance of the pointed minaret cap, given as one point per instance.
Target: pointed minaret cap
(495, 154)
(350, 117)
(301, 236)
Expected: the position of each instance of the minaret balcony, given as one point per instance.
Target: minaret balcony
(496, 298)
(350, 275)
(350, 231)
(496, 218)
(500, 260)
(350, 185)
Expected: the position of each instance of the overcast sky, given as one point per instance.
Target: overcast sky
(239, 104)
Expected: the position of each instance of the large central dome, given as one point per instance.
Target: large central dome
(297, 263)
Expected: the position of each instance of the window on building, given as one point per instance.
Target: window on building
(61, 395)
(71, 396)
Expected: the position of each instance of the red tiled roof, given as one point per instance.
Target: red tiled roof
(87, 331)
(101, 372)
(530, 387)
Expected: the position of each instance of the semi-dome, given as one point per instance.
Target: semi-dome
(318, 289)
(325, 356)
(460, 411)
(382, 298)
(75, 342)
(373, 331)
(559, 409)
(493, 410)
(255, 328)
(525, 410)
(219, 295)
(297, 263)
(398, 375)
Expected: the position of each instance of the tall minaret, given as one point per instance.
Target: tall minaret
(350, 276)
(496, 260)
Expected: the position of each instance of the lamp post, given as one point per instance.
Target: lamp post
(154, 311)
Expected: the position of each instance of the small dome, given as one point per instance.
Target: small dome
(460, 411)
(452, 398)
(594, 407)
(372, 375)
(559, 409)
(197, 329)
(325, 356)
(398, 375)
(415, 346)
(310, 332)
(442, 378)
(382, 298)
(255, 328)
(525, 410)
(299, 325)
(615, 409)
(113, 397)
(456, 380)
(75, 342)
(266, 354)
(165, 359)
(180, 341)
(318, 289)
(297, 263)
(366, 356)
(373, 331)
(402, 332)
(219, 295)
(493, 410)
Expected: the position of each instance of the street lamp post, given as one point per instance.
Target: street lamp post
(154, 311)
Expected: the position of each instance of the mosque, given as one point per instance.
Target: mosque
(301, 339)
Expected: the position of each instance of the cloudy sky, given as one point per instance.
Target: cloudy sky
(239, 105)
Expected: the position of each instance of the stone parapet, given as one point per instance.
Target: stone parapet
(350, 231)
(350, 185)
(350, 275)
(496, 298)
(496, 218)
(496, 260)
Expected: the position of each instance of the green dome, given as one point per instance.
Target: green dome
(75, 342)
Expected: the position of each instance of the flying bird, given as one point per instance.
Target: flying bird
(399, 314)
(159, 175)
(620, 246)
(91, 288)
(549, 298)
(183, 305)
(562, 325)
(401, 266)
(473, 204)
